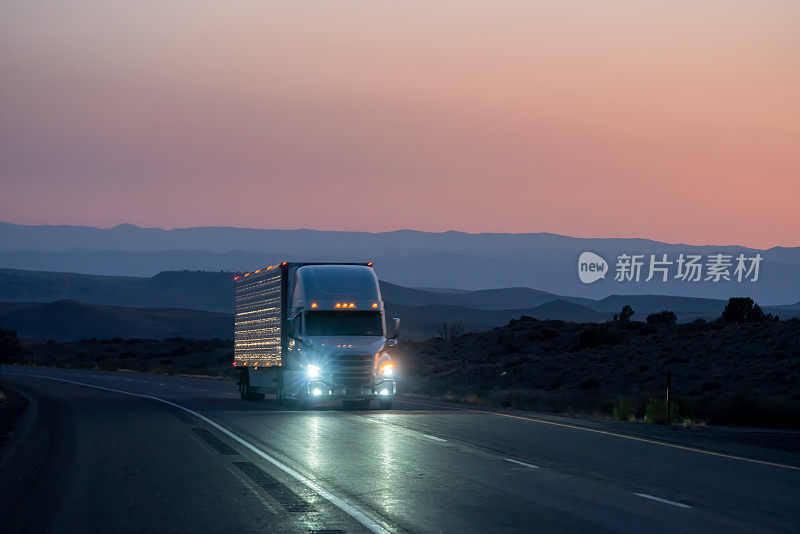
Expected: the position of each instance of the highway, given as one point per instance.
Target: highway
(129, 452)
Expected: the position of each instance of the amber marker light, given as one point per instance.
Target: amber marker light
(374, 304)
(313, 304)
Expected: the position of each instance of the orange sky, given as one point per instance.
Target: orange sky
(669, 120)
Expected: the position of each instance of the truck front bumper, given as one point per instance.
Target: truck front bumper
(384, 388)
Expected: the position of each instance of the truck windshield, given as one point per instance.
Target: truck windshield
(344, 323)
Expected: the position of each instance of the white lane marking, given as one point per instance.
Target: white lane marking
(161, 384)
(521, 463)
(607, 433)
(665, 501)
(434, 438)
(371, 524)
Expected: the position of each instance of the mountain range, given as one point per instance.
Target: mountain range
(456, 260)
(200, 304)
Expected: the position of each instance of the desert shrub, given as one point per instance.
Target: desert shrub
(549, 333)
(589, 338)
(744, 408)
(511, 344)
(625, 409)
(111, 365)
(593, 337)
(743, 310)
(656, 411)
(625, 314)
(664, 317)
(10, 347)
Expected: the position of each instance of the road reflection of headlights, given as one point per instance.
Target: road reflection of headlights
(313, 371)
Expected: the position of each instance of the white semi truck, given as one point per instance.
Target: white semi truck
(315, 333)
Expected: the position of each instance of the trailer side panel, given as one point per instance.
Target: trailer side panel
(260, 308)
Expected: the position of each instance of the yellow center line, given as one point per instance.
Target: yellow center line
(614, 434)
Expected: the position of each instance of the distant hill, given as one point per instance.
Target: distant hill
(420, 310)
(458, 260)
(485, 299)
(208, 291)
(70, 320)
(647, 304)
(421, 322)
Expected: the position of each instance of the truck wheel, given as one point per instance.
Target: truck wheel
(244, 388)
(385, 404)
(304, 402)
(244, 385)
(280, 395)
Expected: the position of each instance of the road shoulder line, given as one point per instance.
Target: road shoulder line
(521, 463)
(614, 434)
(371, 524)
(665, 501)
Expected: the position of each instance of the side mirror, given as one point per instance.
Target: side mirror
(395, 329)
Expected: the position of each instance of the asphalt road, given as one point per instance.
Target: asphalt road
(128, 452)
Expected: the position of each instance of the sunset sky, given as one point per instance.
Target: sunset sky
(678, 121)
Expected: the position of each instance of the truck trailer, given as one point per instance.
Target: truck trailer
(314, 333)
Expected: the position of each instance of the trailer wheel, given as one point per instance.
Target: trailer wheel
(244, 388)
(244, 384)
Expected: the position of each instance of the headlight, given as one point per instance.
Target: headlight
(387, 370)
(313, 371)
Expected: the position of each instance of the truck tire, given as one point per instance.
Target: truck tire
(304, 402)
(280, 394)
(244, 388)
(385, 404)
(244, 384)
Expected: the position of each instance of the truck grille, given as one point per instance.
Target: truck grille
(351, 370)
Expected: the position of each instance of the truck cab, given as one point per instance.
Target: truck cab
(331, 341)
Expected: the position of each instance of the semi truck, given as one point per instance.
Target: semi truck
(314, 333)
